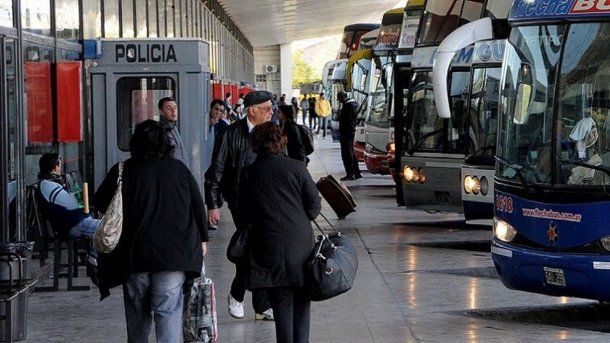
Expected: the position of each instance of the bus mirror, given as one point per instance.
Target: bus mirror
(524, 95)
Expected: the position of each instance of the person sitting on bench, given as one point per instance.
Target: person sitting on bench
(60, 207)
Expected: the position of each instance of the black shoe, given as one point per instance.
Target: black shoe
(348, 178)
(357, 176)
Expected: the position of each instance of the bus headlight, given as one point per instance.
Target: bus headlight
(471, 184)
(407, 174)
(503, 230)
(484, 185)
(605, 242)
(422, 176)
(416, 175)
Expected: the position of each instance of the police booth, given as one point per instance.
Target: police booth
(129, 77)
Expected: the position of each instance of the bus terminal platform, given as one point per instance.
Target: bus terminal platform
(422, 277)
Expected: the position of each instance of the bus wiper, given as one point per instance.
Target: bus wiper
(422, 139)
(601, 168)
(517, 168)
(484, 148)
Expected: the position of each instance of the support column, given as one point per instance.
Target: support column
(286, 70)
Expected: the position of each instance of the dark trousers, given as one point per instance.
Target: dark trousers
(350, 163)
(304, 110)
(322, 125)
(291, 310)
(260, 303)
(313, 118)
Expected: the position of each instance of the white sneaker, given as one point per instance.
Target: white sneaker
(236, 309)
(267, 315)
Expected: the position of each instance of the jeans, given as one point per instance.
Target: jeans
(291, 311)
(85, 228)
(323, 121)
(159, 293)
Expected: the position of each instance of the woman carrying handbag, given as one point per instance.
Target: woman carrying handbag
(280, 198)
(163, 236)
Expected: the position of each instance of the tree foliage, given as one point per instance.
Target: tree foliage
(302, 72)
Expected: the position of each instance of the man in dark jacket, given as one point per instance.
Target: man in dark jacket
(347, 132)
(232, 152)
(169, 119)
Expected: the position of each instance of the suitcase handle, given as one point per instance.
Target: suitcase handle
(324, 234)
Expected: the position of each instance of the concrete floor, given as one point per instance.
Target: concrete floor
(413, 285)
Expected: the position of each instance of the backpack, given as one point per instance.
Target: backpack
(306, 138)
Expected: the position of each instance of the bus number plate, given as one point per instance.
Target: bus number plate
(554, 276)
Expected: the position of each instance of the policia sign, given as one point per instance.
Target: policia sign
(145, 53)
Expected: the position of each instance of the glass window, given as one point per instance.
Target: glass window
(161, 17)
(440, 19)
(36, 16)
(185, 17)
(6, 13)
(483, 115)
(472, 11)
(127, 18)
(137, 101)
(169, 17)
(111, 20)
(379, 113)
(152, 18)
(527, 98)
(92, 19)
(141, 17)
(424, 126)
(178, 19)
(583, 120)
(458, 100)
(498, 9)
(66, 19)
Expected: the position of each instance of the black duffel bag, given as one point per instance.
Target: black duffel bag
(332, 267)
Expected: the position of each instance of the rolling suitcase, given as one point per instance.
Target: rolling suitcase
(337, 195)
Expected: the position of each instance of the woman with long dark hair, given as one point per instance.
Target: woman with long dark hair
(280, 198)
(163, 239)
(294, 144)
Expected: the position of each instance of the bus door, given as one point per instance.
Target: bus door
(9, 143)
(127, 85)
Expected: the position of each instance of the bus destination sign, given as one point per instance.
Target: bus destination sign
(545, 9)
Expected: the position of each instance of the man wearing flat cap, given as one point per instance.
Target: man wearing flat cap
(232, 152)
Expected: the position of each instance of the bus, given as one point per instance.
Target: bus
(550, 230)
(432, 149)
(378, 127)
(336, 72)
(401, 73)
(478, 169)
(359, 84)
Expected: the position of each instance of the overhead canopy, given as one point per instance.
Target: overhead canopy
(272, 22)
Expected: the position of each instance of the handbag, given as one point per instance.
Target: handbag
(236, 251)
(199, 320)
(332, 266)
(109, 231)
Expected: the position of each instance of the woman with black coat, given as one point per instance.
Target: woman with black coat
(280, 199)
(163, 239)
(294, 144)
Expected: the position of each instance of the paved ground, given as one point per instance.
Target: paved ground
(415, 283)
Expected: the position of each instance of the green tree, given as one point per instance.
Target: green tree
(302, 72)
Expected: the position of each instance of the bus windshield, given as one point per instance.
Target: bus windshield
(568, 144)
(381, 99)
(483, 115)
(426, 131)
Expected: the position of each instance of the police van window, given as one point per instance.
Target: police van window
(6, 13)
(137, 100)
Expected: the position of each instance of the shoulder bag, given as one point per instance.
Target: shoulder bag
(108, 233)
(332, 266)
